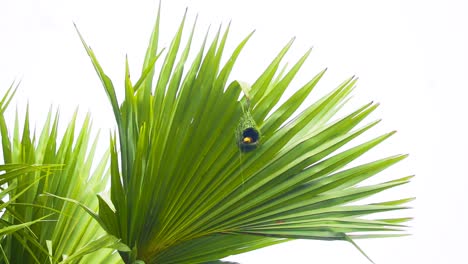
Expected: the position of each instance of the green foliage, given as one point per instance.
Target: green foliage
(196, 173)
(182, 191)
(49, 230)
(8, 227)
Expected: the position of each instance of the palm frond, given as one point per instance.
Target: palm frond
(183, 192)
(68, 233)
(12, 224)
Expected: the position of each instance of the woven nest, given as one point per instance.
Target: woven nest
(248, 136)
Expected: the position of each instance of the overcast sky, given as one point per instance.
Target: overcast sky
(411, 56)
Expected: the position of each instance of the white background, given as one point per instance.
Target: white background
(411, 56)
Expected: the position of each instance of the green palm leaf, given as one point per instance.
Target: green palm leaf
(68, 235)
(183, 192)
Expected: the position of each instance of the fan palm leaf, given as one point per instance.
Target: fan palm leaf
(184, 190)
(67, 234)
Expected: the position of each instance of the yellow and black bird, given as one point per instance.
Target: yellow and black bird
(248, 136)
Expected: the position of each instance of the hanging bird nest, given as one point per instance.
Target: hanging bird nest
(248, 135)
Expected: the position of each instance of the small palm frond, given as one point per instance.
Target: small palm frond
(201, 175)
(11, 223)
(67, 232)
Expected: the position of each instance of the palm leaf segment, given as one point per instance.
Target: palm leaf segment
(183, 192)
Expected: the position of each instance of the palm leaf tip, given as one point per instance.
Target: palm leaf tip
(180, 198)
